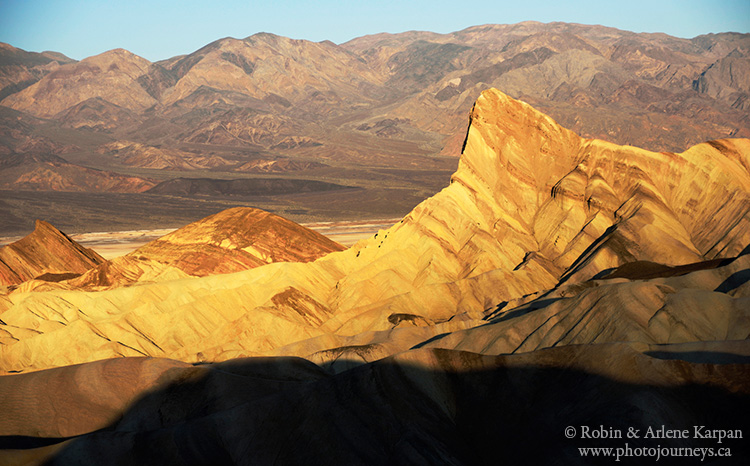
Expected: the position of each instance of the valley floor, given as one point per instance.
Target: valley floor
(111, 244)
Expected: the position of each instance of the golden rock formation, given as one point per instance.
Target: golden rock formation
(531, 206)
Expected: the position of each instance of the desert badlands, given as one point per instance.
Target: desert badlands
(557, 282)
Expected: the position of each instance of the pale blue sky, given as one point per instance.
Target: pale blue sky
(161, 29)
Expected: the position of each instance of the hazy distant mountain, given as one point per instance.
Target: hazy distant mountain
(650, 90)
(20, 69)
(111, 76)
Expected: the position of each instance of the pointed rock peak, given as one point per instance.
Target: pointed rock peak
(46, 234)
(42, 227)
(512, 117)
(45, 251)
(507, 137)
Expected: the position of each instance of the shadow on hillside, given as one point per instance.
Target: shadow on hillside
(734, 281)
(250, 412)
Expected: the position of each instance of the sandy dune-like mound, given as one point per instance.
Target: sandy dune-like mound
(47, 253)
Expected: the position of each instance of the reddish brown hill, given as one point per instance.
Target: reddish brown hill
(45, 252)
(236, 239)
(47, 172)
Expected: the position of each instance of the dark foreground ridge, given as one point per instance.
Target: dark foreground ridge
(421, 407)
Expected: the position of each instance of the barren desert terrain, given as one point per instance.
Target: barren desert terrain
(510, 244)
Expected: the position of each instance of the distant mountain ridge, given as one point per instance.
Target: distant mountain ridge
(650, 90)
(269, 106)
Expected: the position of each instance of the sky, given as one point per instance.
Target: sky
(160, 29)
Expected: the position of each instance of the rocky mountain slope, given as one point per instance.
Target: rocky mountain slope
(648, 90)
(557, 281)
(20, 69)
(112, 74)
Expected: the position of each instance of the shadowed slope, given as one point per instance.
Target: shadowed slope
(78, 399)
(420, 407)
(706, 305)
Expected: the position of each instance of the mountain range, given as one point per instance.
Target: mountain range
(572, 254)
(320, 111)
